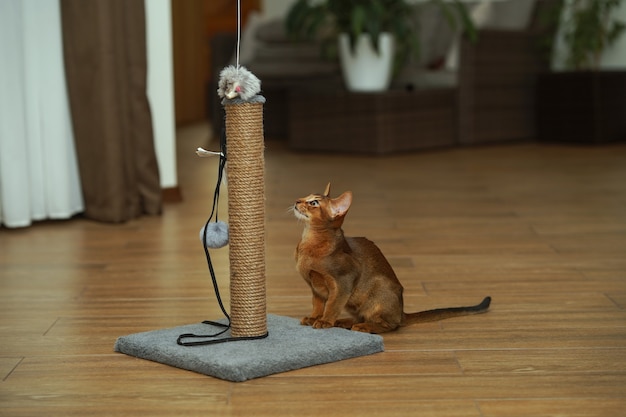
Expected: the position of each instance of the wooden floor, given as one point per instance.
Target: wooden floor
(540, 228)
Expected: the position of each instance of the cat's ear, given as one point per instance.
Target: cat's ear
(327, 191)
(341, 204)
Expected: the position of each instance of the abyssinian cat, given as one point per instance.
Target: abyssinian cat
(351, 273)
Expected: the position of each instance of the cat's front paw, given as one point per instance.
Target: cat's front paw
(308, 321)
(321, 324)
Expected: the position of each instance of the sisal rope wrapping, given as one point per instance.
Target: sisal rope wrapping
(246, 218)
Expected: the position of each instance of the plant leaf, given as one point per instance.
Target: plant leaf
(466, 21)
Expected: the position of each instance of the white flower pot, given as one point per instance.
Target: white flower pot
(365, 70)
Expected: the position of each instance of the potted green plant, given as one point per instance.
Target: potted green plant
(584, 103)
(374, 38)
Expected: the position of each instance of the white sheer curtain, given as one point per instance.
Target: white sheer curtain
(38, 169)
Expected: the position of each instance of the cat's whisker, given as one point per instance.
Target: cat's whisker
(291, 211)
(299, 216)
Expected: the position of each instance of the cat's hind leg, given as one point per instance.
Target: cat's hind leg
(379, 326)
(378, 323)
(346, 323)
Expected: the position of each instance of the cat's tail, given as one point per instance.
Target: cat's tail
(445, 313)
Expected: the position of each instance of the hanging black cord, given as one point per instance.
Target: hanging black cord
(216, 198)
(225, 327)
(214, 210)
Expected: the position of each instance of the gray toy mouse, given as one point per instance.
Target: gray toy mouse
(238, 82)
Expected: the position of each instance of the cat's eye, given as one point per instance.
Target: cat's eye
(313, 203)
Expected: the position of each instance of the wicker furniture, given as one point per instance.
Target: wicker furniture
(497, 78)
(582, 106)
(377, 123)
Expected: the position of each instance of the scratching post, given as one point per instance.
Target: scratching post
(246, 216)
(260, 344)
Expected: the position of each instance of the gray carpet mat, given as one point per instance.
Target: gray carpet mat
(289, 346)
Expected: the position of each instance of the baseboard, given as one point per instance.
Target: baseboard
(172, 194)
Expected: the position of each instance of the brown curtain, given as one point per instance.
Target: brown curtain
(105, 61)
